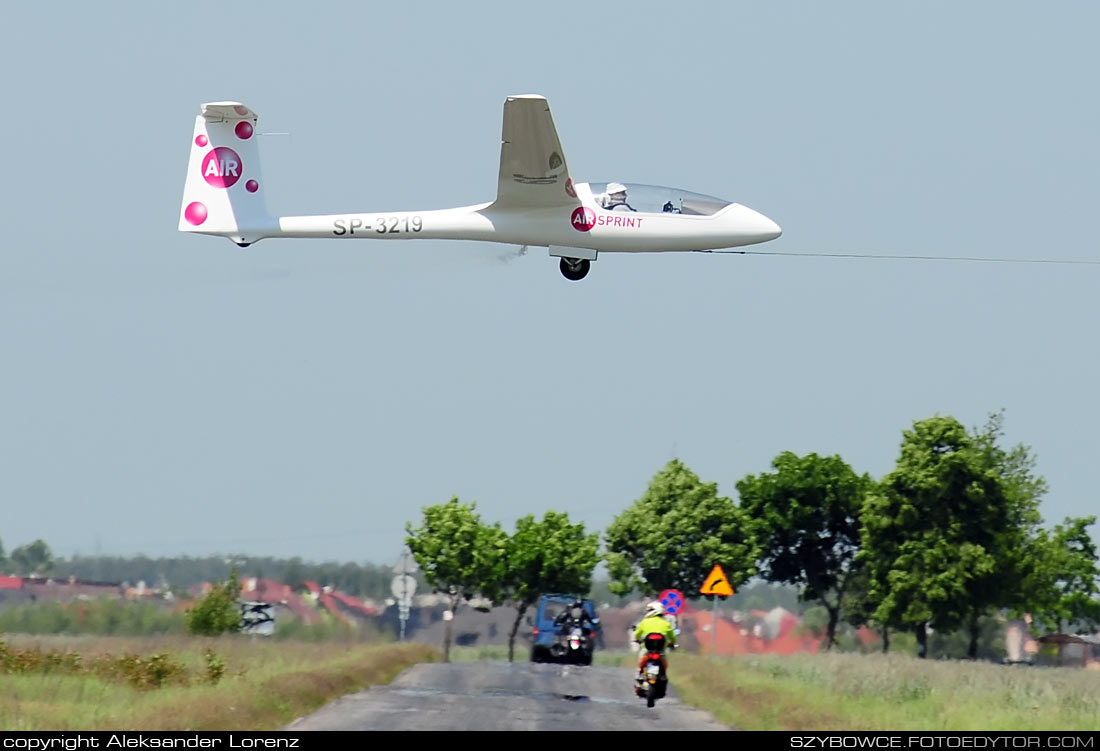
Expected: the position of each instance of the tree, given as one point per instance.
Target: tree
(459, 555)
(294, 575)
(937, 532)
(548, 556)
(218, 611)
(33, 559)
(805, 517)
(673, 535)
(1062, 578)
(859, 608)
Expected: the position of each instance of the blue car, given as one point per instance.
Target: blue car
(550, 607)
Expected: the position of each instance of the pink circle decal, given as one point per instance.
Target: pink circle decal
(195, 213)
(251, 186)
(243, 130)
(583, 219)
(201, 140)
(222, 167)
(240, 110)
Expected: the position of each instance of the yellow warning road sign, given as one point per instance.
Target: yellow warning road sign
(716, 583)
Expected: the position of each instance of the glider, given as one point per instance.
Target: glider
(538, 204)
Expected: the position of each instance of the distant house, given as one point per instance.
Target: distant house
(66, 590)
(757, 632)
(355, 607)
(307, 608)
(12, 591)
(1068, 650)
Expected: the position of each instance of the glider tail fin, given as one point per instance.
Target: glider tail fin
(224, 191)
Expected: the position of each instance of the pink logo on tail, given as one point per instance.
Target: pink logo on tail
(583, 219)
(195, 213)
(222, 167)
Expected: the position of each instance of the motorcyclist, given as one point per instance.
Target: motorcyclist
(653, 623)
(575, 613)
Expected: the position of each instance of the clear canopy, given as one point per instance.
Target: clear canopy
(653, 199)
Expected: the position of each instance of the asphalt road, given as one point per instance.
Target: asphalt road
(497, 695)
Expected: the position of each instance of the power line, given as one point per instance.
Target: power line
(1077, 261)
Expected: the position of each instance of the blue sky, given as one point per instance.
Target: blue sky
(173, 394)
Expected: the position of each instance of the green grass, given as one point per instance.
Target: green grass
(266, 684)
(886, 692)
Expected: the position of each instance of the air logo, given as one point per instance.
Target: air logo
(583, 219)
(222, 167)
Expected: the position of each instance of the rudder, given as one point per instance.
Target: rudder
(223, 192)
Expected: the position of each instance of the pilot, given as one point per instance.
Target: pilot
(614, 198)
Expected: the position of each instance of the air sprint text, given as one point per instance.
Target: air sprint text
(941, 741)
(73, 743)
(617, 220)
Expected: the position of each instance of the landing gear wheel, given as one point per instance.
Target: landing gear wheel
(574, 269)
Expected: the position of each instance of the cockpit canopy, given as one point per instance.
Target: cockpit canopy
(653, 199)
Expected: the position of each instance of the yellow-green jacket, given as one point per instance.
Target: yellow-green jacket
(655, 624)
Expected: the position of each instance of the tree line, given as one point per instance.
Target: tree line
(179, 574)
(950, 536)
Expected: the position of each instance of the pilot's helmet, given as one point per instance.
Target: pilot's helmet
(618, 189)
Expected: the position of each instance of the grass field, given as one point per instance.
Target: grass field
(260, 685)
(886, 692)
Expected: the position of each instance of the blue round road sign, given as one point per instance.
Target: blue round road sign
(672, 600)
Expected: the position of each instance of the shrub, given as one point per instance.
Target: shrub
(217, 612)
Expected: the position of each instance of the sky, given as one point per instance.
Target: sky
(171, 394)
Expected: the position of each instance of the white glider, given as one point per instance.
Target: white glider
(537, 204)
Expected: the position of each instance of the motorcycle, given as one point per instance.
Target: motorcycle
(654, 670)
(573, 644)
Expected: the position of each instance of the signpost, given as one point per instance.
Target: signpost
(403, 586)
(673, 601)
(257, 618)
(715, 586)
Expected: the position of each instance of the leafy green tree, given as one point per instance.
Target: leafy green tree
(600, 592)
(859, 607)
(673, 536)
(805, 517)
(3, 560)
(218, 611)
(936, 531)
(459, 555)
(758, 594)
(33, 559)
(551, 555)
(1062, 580)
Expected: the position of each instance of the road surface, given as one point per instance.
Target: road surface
(497, 695)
